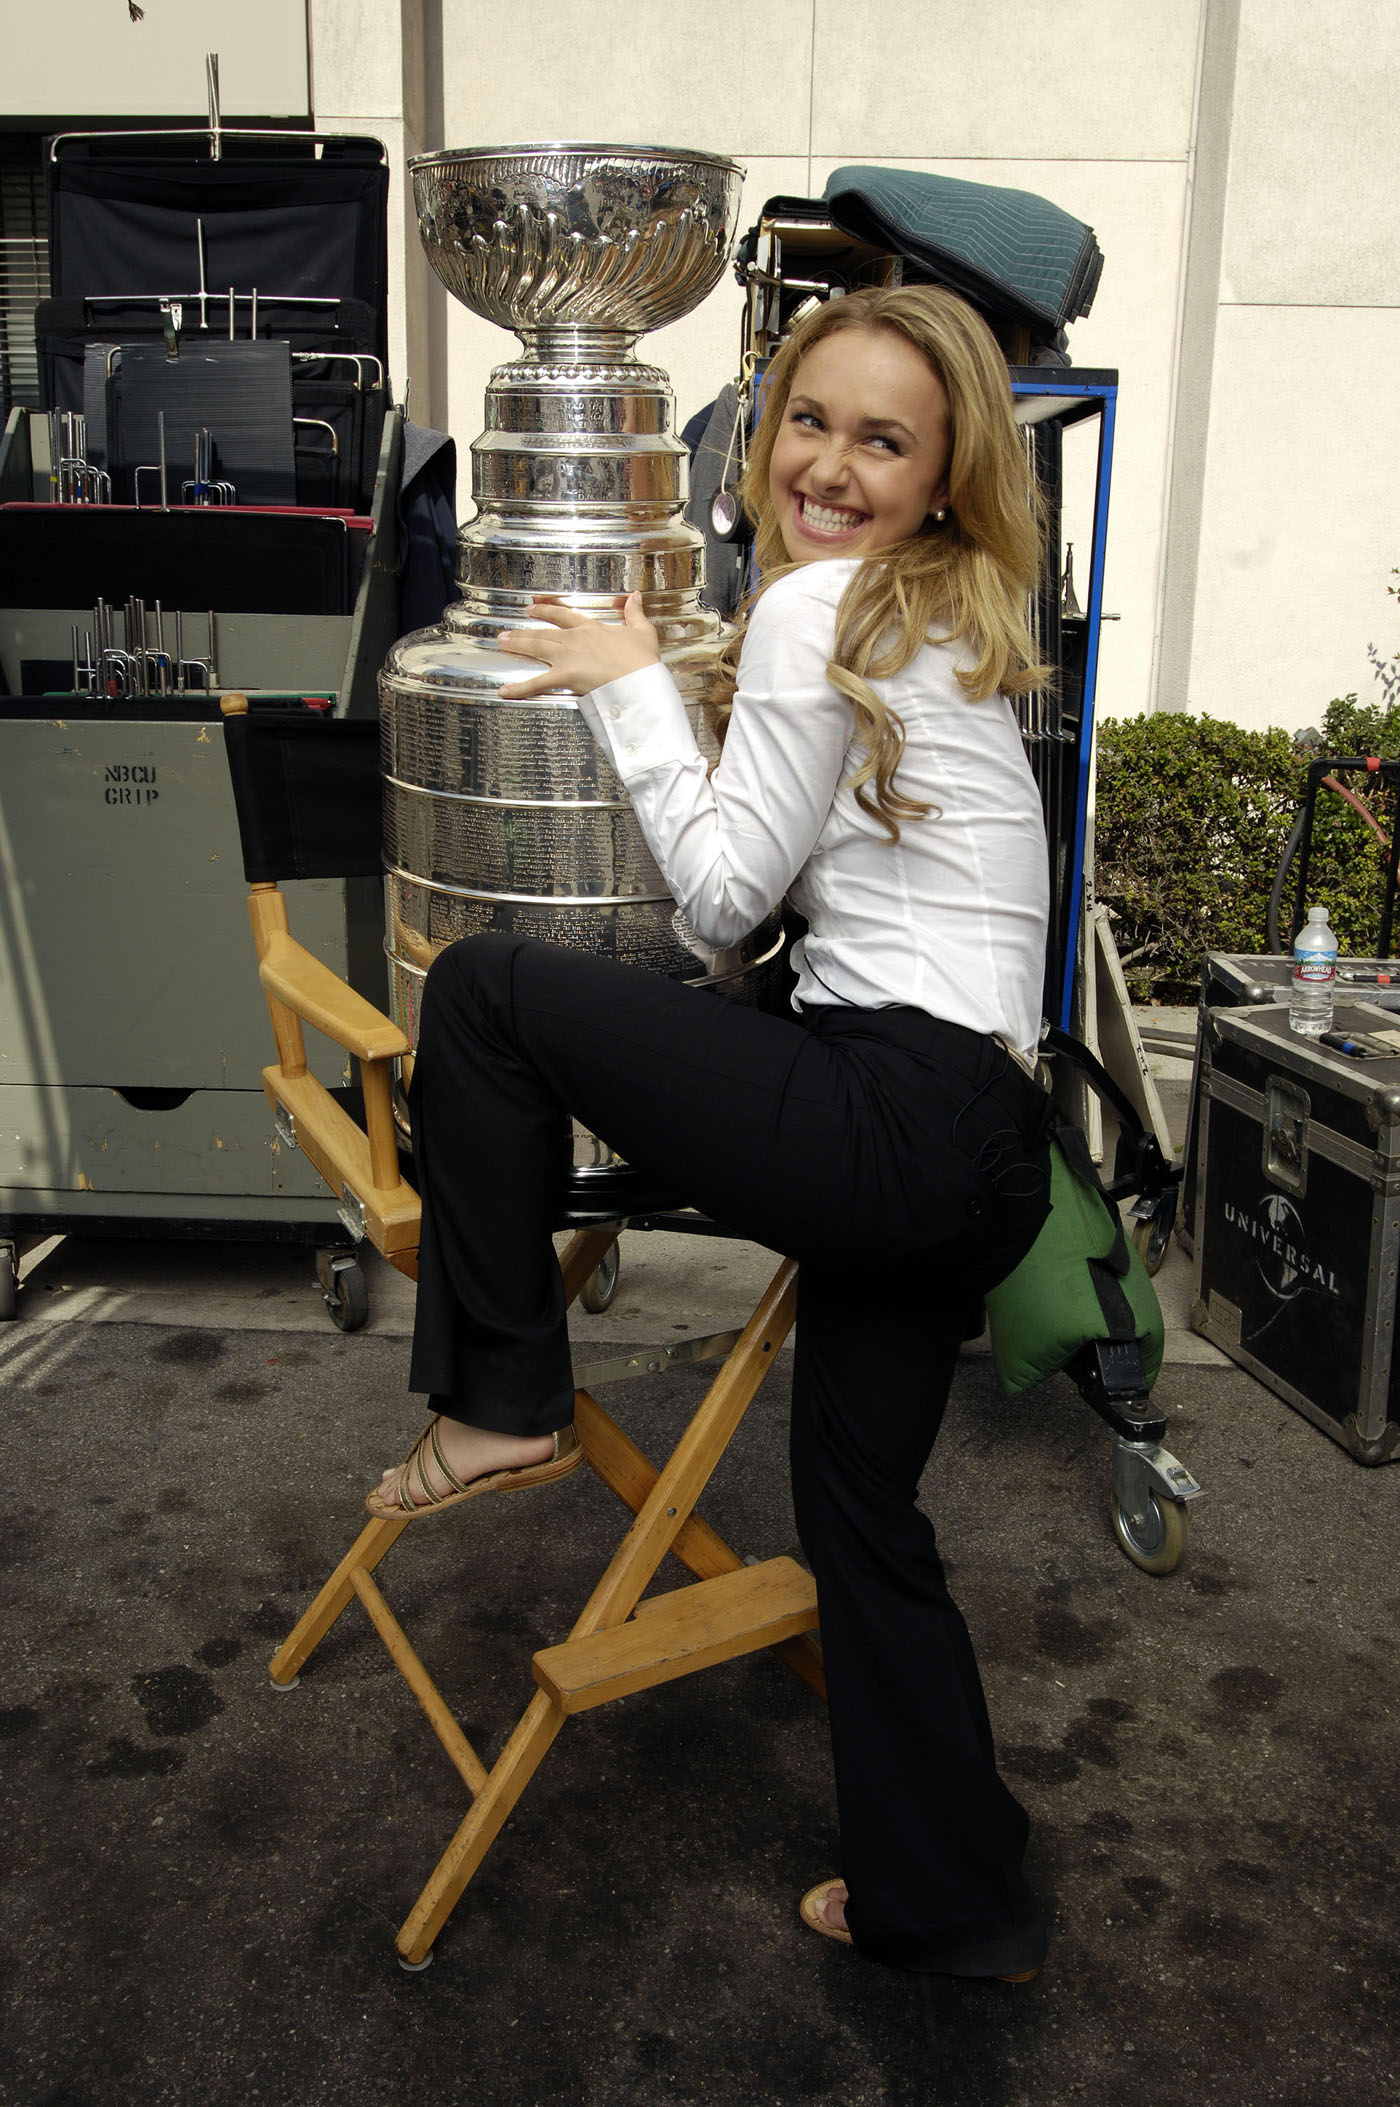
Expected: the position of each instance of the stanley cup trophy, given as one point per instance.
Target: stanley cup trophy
(504, 815)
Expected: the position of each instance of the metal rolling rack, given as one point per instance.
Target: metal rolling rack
(1058, 724)
(130, 1099)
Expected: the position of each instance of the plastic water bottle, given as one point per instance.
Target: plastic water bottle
(1314, 976)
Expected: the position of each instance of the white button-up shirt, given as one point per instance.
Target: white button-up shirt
(950, 919)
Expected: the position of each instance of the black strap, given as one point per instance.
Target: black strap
(1107, 1272)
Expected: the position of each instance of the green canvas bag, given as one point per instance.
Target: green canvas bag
(1081, 1280)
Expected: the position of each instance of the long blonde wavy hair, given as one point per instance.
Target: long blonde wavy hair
(967, 579)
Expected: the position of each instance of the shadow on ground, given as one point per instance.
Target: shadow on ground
(204, 1877)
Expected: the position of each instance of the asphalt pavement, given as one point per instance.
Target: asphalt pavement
(203, 1876)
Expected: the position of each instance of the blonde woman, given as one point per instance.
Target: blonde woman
(888, 1133)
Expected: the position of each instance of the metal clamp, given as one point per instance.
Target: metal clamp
(285, 1125)
(653, 1360)
(352, 1214)
(1141, 1468)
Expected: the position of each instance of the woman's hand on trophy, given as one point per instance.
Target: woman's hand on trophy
(580, 654)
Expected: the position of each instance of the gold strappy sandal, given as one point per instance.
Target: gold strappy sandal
(812, 1909)
(568, 1455)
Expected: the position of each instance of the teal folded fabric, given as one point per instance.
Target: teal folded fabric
(1007, 251)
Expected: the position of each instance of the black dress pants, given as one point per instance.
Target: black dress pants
(903, 1161)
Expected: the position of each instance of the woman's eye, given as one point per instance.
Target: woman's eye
(879, 439)
(807, 417)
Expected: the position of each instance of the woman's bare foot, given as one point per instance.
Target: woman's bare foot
(468, 1452)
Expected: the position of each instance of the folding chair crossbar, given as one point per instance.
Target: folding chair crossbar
(619, 1643)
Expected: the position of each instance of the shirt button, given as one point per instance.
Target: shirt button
(614, 709)
(631, 749)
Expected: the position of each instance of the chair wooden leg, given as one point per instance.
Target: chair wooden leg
(702, 1550)
(510, 1774)
(667, 1507)
(362, 1557)
(662, 1503)
(577, 1260)
(663, 1516)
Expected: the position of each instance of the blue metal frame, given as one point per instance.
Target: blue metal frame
(1084, 395)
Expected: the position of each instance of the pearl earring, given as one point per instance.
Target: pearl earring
(940, 515)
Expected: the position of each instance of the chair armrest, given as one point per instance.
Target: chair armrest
(320, 998)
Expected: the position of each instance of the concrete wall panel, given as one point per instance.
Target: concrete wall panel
(1092, 80)
(357, 57)
(87, 57)
(724, 76)
(1298, 535)
(1314, 156)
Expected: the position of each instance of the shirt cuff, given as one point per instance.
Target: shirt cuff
(639, 721)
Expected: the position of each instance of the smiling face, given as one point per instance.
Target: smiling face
(861, 457)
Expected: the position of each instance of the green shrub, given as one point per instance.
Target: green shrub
(1193, 815)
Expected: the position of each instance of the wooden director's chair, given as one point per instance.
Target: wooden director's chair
(308, 797)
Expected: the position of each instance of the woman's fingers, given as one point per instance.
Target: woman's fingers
(523, 690)
(556, 612)
(580, 653)
(526, 643)
(635, 618)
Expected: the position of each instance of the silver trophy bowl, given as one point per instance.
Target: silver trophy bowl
(603, 240)
(502, 815)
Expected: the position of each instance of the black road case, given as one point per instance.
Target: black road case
(1230, 979)
(1298, 1218)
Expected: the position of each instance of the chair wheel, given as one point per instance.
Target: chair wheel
(601, 1285)
(345, 1289)
(1150, 1238)
(1157, 1540)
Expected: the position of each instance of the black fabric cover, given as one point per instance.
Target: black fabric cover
(237, 562)
(308, 796)
(242, 394)
(427, 526)
(278, 218)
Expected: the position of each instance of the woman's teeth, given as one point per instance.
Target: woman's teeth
(827, 519)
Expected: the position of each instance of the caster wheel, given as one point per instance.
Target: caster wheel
(1157, 1541)
(1151, 1238)
(345, 1290)
(601, 1285)
(9, 1282)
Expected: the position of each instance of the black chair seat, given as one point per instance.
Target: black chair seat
(607, 1192)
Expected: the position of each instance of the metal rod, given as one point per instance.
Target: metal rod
(179, 652)
(213, 654)
(163, 681)
(277, 299)
(358, 359)
(230, 314)
(203, 294)
(211, 75)
(226, 131)
(75, 659)
(320, 424)
(160, 430)
(253, 332)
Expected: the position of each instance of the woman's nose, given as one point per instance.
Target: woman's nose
(831, 464)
